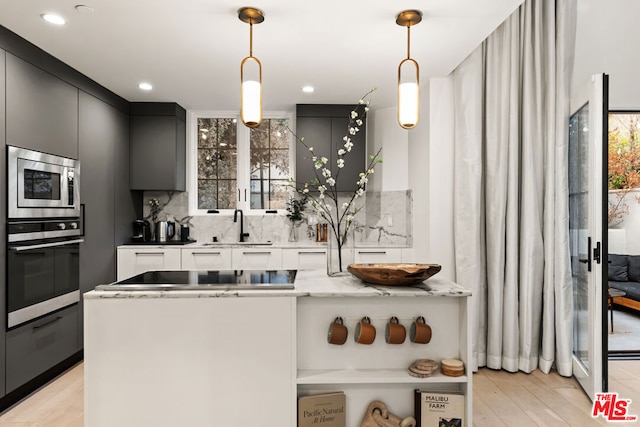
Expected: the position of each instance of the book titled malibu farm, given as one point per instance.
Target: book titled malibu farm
(435, 409)
(322, 410)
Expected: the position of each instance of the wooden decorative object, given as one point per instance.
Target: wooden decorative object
(378, 415)
(452, 367)
(393, 273)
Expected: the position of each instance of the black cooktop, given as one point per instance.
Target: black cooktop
(201, 280)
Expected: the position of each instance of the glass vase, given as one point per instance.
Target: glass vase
(293, 231)
(339, 256)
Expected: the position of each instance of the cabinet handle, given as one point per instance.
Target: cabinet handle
(35, 328)
(238, 194)
(149, 253)
(255, 253)
(310, 252)
(373, 252)
(245, 194)
(205, 253)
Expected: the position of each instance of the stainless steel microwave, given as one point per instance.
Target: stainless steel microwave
(42, 185)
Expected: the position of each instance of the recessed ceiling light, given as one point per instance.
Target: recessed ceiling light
(53, 18)
(145, 86)
(308, 89)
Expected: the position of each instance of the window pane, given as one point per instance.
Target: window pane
(280, 134)
(217, 163)
(269, 161)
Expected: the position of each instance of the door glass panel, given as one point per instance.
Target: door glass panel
(579, 229)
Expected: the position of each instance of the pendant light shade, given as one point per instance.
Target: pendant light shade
(408, 76)
(251, 74)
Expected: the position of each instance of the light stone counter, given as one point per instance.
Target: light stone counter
(311, 283)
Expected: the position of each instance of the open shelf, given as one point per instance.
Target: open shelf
(370, 376)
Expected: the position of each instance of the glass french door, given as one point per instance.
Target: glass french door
(587, 222)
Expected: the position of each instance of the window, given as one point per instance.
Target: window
(234, 167)
(270, 164)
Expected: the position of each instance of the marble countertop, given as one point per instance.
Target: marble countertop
(310, 283)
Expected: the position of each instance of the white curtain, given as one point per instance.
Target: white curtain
(511, 107)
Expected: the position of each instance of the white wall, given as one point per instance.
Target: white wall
(384, 131)
(607, 42)
(630, 224)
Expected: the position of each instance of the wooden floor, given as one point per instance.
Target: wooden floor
(500, 399)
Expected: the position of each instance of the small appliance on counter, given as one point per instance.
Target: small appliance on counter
(165, 231)
(141, 231)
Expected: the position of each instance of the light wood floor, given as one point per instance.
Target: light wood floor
(500, 399)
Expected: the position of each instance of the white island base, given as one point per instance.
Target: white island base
(240, 358)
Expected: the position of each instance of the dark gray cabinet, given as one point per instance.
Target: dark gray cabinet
(3, 221)
(109, 205)
(323, 128)
(37, 346)
(158, 146)
(42, 110)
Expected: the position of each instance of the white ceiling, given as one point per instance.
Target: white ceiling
(190, 50)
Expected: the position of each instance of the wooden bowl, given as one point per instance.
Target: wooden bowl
(393, 273)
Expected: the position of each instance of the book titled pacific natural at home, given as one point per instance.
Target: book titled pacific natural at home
(322, 410)
(439, 409)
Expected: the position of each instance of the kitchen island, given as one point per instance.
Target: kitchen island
(241, 357)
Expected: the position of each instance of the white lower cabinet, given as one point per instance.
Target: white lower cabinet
(167, 362)
(206, 259)
(304, 259)
(378, 255)
(132, 261)
(256, 259)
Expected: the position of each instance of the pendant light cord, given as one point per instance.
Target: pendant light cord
(251, 39)
(408, 41)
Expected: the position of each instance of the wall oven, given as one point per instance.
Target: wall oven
(42, 185)
(43, 234)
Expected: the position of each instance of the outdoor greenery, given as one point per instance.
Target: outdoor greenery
(624, 163)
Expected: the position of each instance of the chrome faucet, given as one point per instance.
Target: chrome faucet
(235, 219)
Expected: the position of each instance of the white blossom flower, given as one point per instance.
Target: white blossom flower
(340, 163)
(370, 171)
(349, 218)
(366, 108)
(305, 191)
(361, 101)
(345, 205)
(342, 152)
(324, 160)
(318, 164)
(357, 129)
(359, 122)
(314, 158)
(352, 131)
(348, 145)
(326, 172)
(361, 174)
(322, 189)
(327, 207)
(331, 181)
(346, 138)
(354, 114)
(359, 192)
(321, 196)
(310, 148)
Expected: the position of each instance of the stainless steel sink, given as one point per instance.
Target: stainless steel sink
(237, 244)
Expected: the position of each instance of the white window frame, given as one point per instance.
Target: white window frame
(243, 179)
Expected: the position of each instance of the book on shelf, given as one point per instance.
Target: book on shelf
(439, 409)
(322, 410)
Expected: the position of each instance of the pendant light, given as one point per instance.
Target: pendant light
(251, 74)
(408, 76)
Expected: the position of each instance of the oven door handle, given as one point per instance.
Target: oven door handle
(45, 245)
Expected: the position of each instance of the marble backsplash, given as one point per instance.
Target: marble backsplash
(385, 220)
